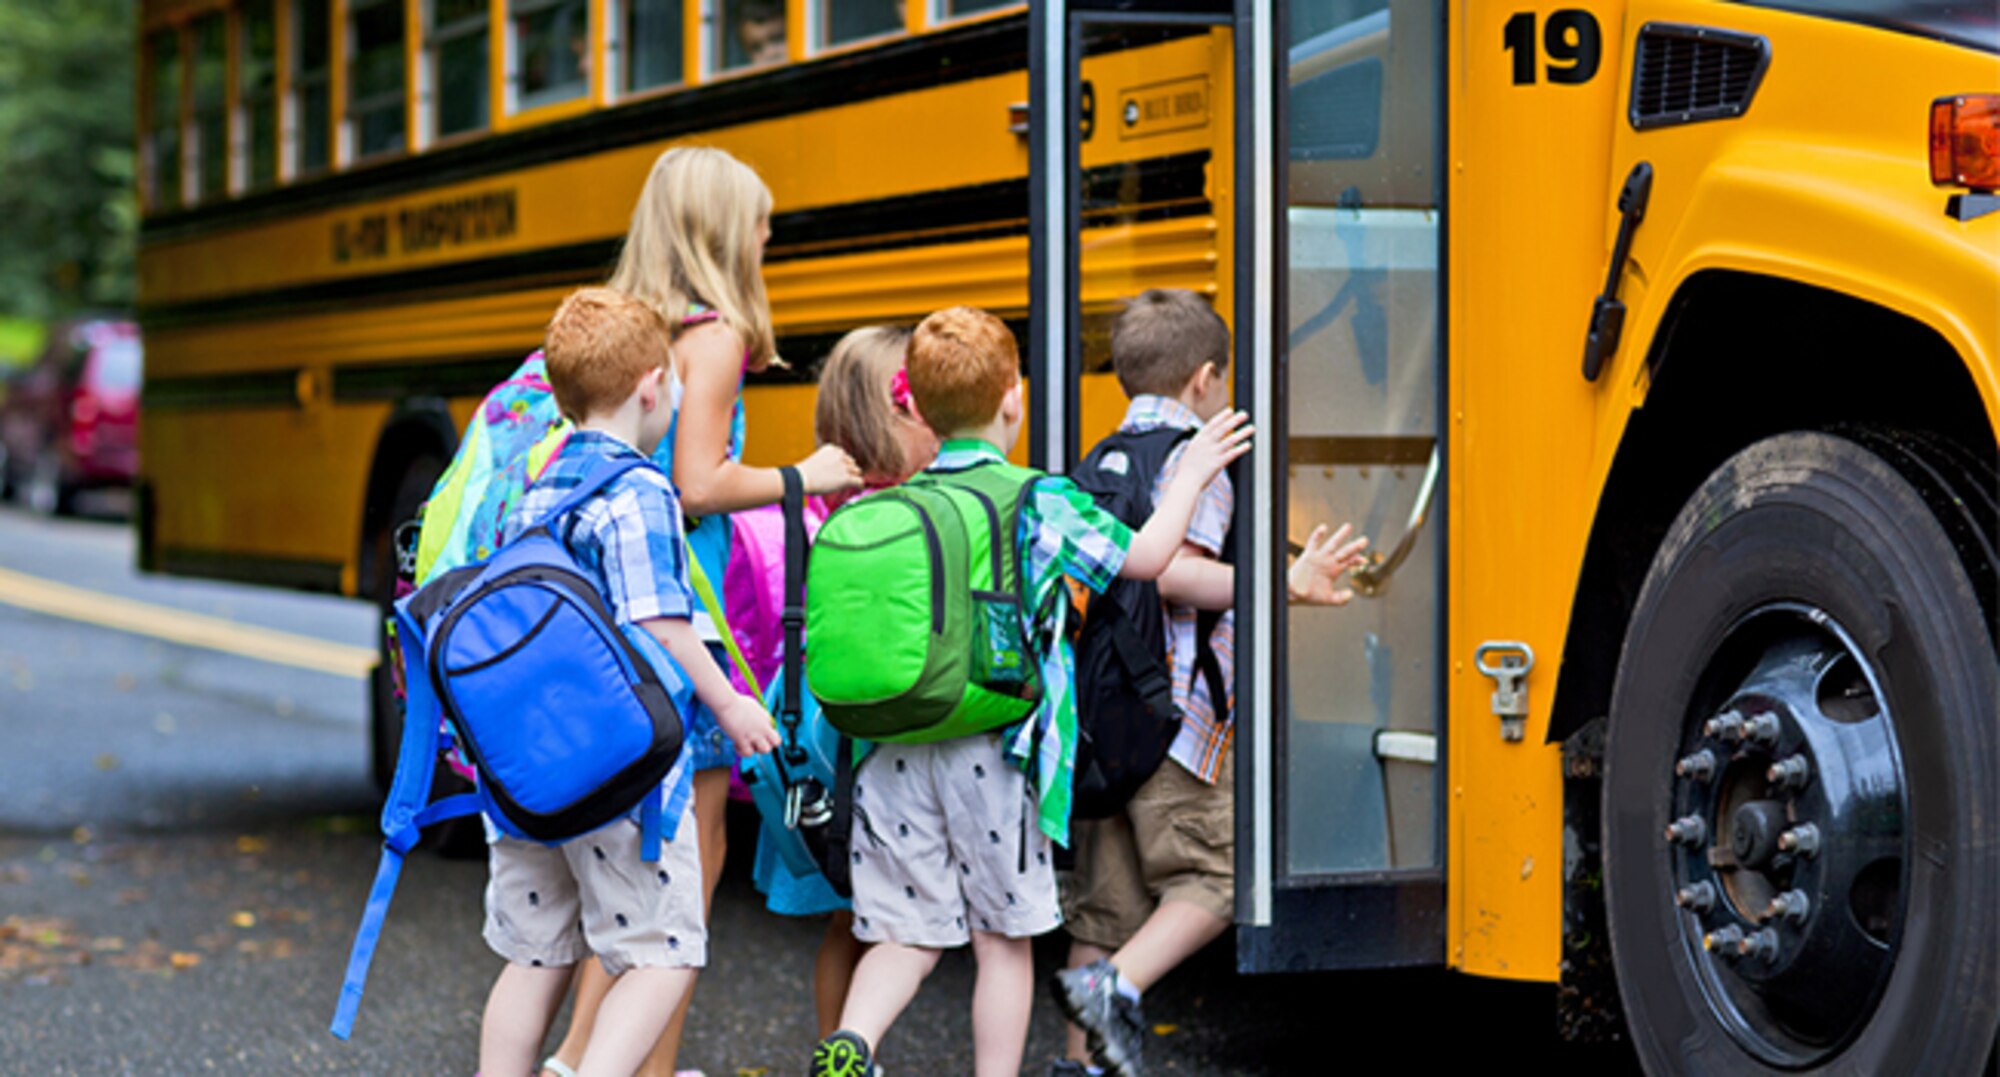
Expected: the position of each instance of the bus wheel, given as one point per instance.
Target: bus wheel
(1802, 780)
(386, 705)
(459, 838)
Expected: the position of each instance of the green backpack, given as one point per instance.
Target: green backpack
(914, 602)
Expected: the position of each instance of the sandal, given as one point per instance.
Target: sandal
(557, 1066)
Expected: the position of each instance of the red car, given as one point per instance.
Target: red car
(70, 422)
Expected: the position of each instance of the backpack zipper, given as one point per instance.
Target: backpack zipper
(936, 547)
(992, 535)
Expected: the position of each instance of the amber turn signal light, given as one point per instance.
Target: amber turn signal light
(1965, 141)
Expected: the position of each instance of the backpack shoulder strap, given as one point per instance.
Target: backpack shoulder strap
(407, 811)
(597, 478)
(792, 707)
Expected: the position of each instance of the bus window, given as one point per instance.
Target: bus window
(163, 137)
(456, 52)
(257, 96)
(311, 91)
(752, 33)
(842, 21)
(211, 106)
(952, 9)
(1362, 396)
(551, 50)
(648, 43)
(375, 77)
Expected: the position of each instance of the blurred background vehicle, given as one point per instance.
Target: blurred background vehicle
(69, 422)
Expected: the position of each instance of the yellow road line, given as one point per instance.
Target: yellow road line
(181, 626)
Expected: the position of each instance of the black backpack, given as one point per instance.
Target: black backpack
(1126, 717)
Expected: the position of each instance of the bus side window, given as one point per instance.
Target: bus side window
(211, 106)
(943, 10)
(549, 48)
(752, 33)
(257, 97)
(648, 42)
(310, 115)
(375, 78)
(456, 52)
(163, 137)
(842, 21)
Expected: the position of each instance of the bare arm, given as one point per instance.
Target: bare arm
(745, 720)
(1195, 578)
(710, 358)
(1223, 439)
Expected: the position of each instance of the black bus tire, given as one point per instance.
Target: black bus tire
(1809, 520)
(459, 838)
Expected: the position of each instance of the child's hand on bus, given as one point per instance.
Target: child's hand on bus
(829, 470)
(748, 725)
(1220, 441)
(1313, 579)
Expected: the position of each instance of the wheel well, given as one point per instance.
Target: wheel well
(416, 428)
(1738, 358)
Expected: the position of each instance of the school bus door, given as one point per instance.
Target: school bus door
(1340, 712)
(1319, 125)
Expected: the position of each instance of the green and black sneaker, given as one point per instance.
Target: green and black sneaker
(844, 1054)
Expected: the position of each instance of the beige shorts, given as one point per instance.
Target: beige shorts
(1176, 841)
(946, 843)
(556, 905)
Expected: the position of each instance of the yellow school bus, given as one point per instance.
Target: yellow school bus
(1654, 341)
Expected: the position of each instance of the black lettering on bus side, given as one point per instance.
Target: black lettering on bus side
(367, 237)
(1571, 37)
(455, 222)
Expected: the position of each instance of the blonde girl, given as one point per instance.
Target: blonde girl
(695, 251)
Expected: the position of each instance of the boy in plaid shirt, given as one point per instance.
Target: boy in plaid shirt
(548, 908)
(949, 854)
(1157, 882)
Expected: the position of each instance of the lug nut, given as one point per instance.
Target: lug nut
(1697, 898)
(1728, 725)
(1763, 729)
(1791, 905)
(1802, 840)
(1791, 772)
(1724, 943)
(1687, 830)
(1700, 766)
(1761, 944)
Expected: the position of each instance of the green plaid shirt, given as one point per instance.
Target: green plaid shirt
(1063, 532)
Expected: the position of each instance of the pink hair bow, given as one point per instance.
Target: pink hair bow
(899, 391)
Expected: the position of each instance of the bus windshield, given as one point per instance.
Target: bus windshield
(1976, 24)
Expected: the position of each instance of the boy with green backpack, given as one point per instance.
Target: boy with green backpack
(935, 619)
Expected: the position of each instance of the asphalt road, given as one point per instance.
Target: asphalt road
(185, 845)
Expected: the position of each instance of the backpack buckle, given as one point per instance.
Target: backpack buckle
(795, 802)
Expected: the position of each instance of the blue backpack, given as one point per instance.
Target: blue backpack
(571, 720)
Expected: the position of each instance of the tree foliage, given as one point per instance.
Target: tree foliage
(68, 212)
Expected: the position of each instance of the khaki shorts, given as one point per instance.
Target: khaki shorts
(557, 905)
(1176, 841)
(945, 843)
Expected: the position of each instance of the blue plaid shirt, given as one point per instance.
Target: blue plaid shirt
(627, 538)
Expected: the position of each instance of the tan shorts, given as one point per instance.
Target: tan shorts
(556, 905)
(1176, 841)
(946, 843)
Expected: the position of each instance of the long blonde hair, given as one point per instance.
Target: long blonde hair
(855, 410)
(694, 239)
